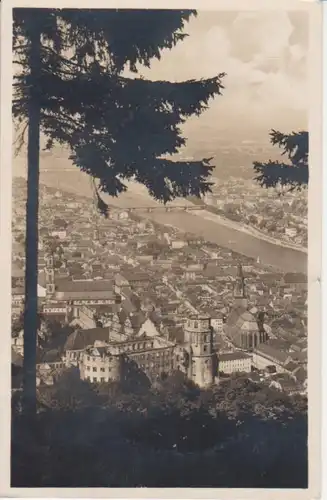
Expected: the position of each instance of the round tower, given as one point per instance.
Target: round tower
(198, 339)
(99, 367)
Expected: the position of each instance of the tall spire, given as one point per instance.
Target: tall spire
(240, 271)
(239, 289)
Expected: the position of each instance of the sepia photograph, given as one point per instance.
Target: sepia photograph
(159, 246)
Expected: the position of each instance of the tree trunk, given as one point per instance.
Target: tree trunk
(31, 245)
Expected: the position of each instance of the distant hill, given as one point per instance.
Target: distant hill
(230, 160)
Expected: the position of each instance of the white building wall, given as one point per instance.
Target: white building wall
(202, 370)
(148, 328)
(176, 244)
(235, 366)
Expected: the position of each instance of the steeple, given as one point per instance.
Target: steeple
(240, 298)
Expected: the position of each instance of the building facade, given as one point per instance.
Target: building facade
(103, 355)
(49, 275)
(97, 364)
(234, 362)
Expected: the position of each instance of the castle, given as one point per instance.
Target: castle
(104, 353)
(102, 357)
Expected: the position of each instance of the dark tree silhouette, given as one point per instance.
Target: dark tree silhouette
(71, 88)
(293, 174)
(116, 127)
(69, 392)
(33, 60)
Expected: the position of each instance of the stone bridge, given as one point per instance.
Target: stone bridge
(179, 208)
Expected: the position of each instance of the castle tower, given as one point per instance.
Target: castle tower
(49, 275)
(240, 299)
(198, 339)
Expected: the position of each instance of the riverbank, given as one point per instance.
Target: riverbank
(203, 223)
(246, 228)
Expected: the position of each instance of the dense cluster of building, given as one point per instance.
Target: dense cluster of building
(244, 201)
(139, 299)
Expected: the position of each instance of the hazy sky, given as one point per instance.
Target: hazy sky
(265, 57)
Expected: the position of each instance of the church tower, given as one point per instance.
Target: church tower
(240, 299)
(198, 340)
(95, 222)
(49, 275)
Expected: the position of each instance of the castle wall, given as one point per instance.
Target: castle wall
(97, 369)
(202, 371)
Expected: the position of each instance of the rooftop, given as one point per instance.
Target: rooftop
(80, 339)
(272, 353)
(230, 356)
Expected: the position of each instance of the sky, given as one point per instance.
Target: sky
(265, 57)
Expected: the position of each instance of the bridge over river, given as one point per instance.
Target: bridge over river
(187, 217)
(159, 208)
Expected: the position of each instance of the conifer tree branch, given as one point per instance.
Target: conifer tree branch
(293, 175)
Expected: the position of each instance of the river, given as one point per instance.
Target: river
(283, 258)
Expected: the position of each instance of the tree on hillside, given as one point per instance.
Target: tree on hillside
(60, 223)
(17, 325)
(293, 174)
(69, 392)
(71, 87)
